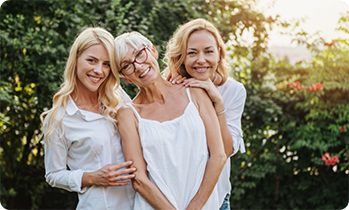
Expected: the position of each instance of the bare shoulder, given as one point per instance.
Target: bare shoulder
(125, 113)
(199, 94)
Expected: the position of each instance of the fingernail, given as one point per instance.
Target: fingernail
(129, 162)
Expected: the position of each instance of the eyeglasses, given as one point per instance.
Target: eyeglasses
(140, 58)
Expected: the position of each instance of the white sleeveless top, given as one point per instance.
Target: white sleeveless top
(176, 155)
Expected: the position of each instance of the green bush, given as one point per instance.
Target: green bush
(294, 114)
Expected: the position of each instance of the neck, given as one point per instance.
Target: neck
(85, 99)
(156, 92)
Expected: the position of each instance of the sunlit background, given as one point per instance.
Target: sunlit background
(315, 15)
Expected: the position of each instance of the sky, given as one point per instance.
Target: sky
(321, 15)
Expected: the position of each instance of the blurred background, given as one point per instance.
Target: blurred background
(291, 55)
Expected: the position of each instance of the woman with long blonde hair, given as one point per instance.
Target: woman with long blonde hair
(197, 52)
(80, 132)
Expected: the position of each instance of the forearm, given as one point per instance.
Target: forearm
(213, 170)
(151, 193)
(226, 135)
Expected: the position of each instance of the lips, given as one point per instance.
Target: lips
(94, 79)
(201, 69)
(144, 73)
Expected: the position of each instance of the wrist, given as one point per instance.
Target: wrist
(87, 179)
(220, 109)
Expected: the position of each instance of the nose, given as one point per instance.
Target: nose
(138, 66)
(98, 69)
(201, 58)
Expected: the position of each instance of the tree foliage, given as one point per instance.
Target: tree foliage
(295, 114)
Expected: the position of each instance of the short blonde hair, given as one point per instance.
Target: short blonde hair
(135, 39)
(177, 47)
(107, 94)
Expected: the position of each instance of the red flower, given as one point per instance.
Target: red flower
(270, 19)
(295, 84)
(328, 161)
(319, 86)
(329, 43)
(334, 160)
(342, 129)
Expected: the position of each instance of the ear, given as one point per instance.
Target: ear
(155, 52)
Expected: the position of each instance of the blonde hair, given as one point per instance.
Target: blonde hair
(107, 95)
(135, 39)
(177, 47)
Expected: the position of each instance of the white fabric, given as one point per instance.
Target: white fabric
(234, 97)
(89, 143)
(176, 155)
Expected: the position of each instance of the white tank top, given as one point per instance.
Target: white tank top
(176, 155)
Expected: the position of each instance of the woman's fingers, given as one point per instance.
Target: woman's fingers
(169, 76)
(179, 81)
(175, 79)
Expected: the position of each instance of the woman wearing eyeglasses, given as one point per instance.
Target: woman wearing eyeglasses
(170, 133)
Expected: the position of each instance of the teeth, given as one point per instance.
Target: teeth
(144, 73)
(94, 78)
(200, 69)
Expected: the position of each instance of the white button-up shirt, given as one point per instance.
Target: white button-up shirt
(234, 97)
(89, 143)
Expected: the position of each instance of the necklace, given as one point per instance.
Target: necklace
(86, 108)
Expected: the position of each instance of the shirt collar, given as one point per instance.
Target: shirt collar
(72, 109)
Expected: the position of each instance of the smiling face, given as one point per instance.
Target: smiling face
(92, 68)
(202, 55)
(145, 72)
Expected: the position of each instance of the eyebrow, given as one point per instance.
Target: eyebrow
(205, 48)
(96, 58)
(92, 57)
(125, 61)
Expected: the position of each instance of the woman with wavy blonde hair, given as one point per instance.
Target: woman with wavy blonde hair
(197, 51)
(80, 129)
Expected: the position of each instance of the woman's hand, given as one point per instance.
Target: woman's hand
(211, 90)
(175, 78)
(109, 175)
(207, 85)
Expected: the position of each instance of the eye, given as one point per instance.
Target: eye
(125, 67)
(209, 51)
(140, 54)
(107, 64)
(191, 53)
(90, 60)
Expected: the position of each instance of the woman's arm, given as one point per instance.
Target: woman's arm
(215, 146)
(131, 145)
(57, 174)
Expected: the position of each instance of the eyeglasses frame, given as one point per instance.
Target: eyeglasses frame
(134, 61)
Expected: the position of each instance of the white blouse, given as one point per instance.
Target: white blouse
(176, 154)
(89, 143)
(234, 97)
